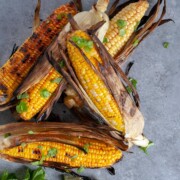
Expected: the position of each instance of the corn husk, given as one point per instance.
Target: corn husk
(87, 19)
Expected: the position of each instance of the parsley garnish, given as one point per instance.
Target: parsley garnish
(21, 107)
(74, 157)
(136, 26)
(136, 42)
(80, 169)
(87, 45)
(134, 83)
(144, 149)
(166, 44)
(56, 80)
(60, 16)
(86, 147)
(40, 147)
(38, 174)
(45, 93)
(122, 32)
(121, 23)
(30, 132)
(23, 96)
(23, 145)
(7, 135)
(52, 152)
(105, 40)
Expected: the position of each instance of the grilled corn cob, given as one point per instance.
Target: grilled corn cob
(123, 25)
(91, 82)
(18, 66)
(96, 154)
(39, 94)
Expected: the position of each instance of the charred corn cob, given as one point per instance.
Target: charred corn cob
(18, 66)
(123, 25)
(91, 82)
(96, 154)
(39, 94)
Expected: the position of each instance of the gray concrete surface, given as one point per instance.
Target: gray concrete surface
(157, 72)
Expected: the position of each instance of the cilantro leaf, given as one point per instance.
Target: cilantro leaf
(27, 175)
(7, 135)
(105, 40)
(86, 147)
(30, 132)
(144, 149)
(38, 174)
(23, 96)
(21, 107)
(166, 44)
(4, 175)
(80, 169)
(136, 42)
(122, 32)
(56, 80)
(134, 83)
(52, 152)
(121, 23)
(45, 93)
(74, 157)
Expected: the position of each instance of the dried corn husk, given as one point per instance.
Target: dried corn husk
(87, 19)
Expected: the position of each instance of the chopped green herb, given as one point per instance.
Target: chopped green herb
(21, 107)
(122, 32)
(134, 83)
(8, 176)
(40, 147)
(60, 16)
(40, 162)
(136, 26)
(4, 175)
(121, 23)
(74, 157)
(136, 42)
(23, 145)
(87, 45)
(166, 44)
(56, 80)
(7, 135)
(27, 175)
(62, 63)
(105, 40)
(23, 96)
(144, 149)
(80, 169)
(86, 147)
(45, 93)
(52, 152)
(38, 174)
(30, 132)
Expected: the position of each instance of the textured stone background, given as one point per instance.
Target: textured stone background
(157, 72)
